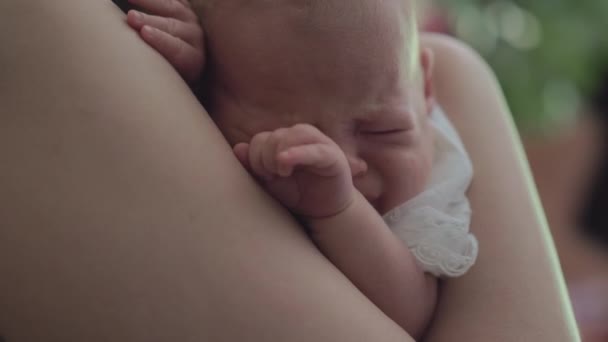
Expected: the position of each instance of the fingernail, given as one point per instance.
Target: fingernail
(138, 15)
(148, 31)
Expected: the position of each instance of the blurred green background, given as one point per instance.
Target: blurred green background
(549, 55)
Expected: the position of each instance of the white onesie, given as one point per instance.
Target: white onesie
(435, 223)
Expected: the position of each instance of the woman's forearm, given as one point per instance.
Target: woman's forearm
(360, 244)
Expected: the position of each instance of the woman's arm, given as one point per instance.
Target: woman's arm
(124, 215)
(515, 292)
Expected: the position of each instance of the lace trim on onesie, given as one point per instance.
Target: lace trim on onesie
(435, 224)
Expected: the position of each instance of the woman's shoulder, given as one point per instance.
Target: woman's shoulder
(465, 86)
(454, 56)
(505, 207)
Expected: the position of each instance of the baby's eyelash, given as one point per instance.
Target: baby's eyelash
(383, 131)
(393, 137)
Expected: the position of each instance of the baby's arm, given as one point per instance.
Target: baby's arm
(361, 245)
(309, 174)
(172, 28)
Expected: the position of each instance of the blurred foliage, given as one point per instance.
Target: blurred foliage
(549, 55)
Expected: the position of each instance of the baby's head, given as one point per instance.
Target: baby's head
(352, 68)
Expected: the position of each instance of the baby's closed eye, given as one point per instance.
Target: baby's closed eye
(385, 133)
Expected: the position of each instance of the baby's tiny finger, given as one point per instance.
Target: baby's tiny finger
(302, 134)
(256, 156)
(186, 3)
(167, 8)
(317, 156)
(186, 59)
(285, 164)
(272, 148)
(189, 32)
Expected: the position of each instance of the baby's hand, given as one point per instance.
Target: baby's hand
(173, 29)
(301, 167)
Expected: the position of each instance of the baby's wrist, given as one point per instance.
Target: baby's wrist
(320, 225)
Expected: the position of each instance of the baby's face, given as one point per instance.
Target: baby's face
(349, 68)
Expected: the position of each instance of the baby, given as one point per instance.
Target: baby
(329, 104)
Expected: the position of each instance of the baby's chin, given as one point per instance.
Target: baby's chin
(385, 208)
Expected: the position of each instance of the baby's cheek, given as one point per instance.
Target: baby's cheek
(409, 175)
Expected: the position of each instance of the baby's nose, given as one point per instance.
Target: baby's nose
(358, 167)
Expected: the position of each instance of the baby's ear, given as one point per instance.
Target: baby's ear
(427, 61)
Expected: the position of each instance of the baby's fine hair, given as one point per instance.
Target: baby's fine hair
(411, 34)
